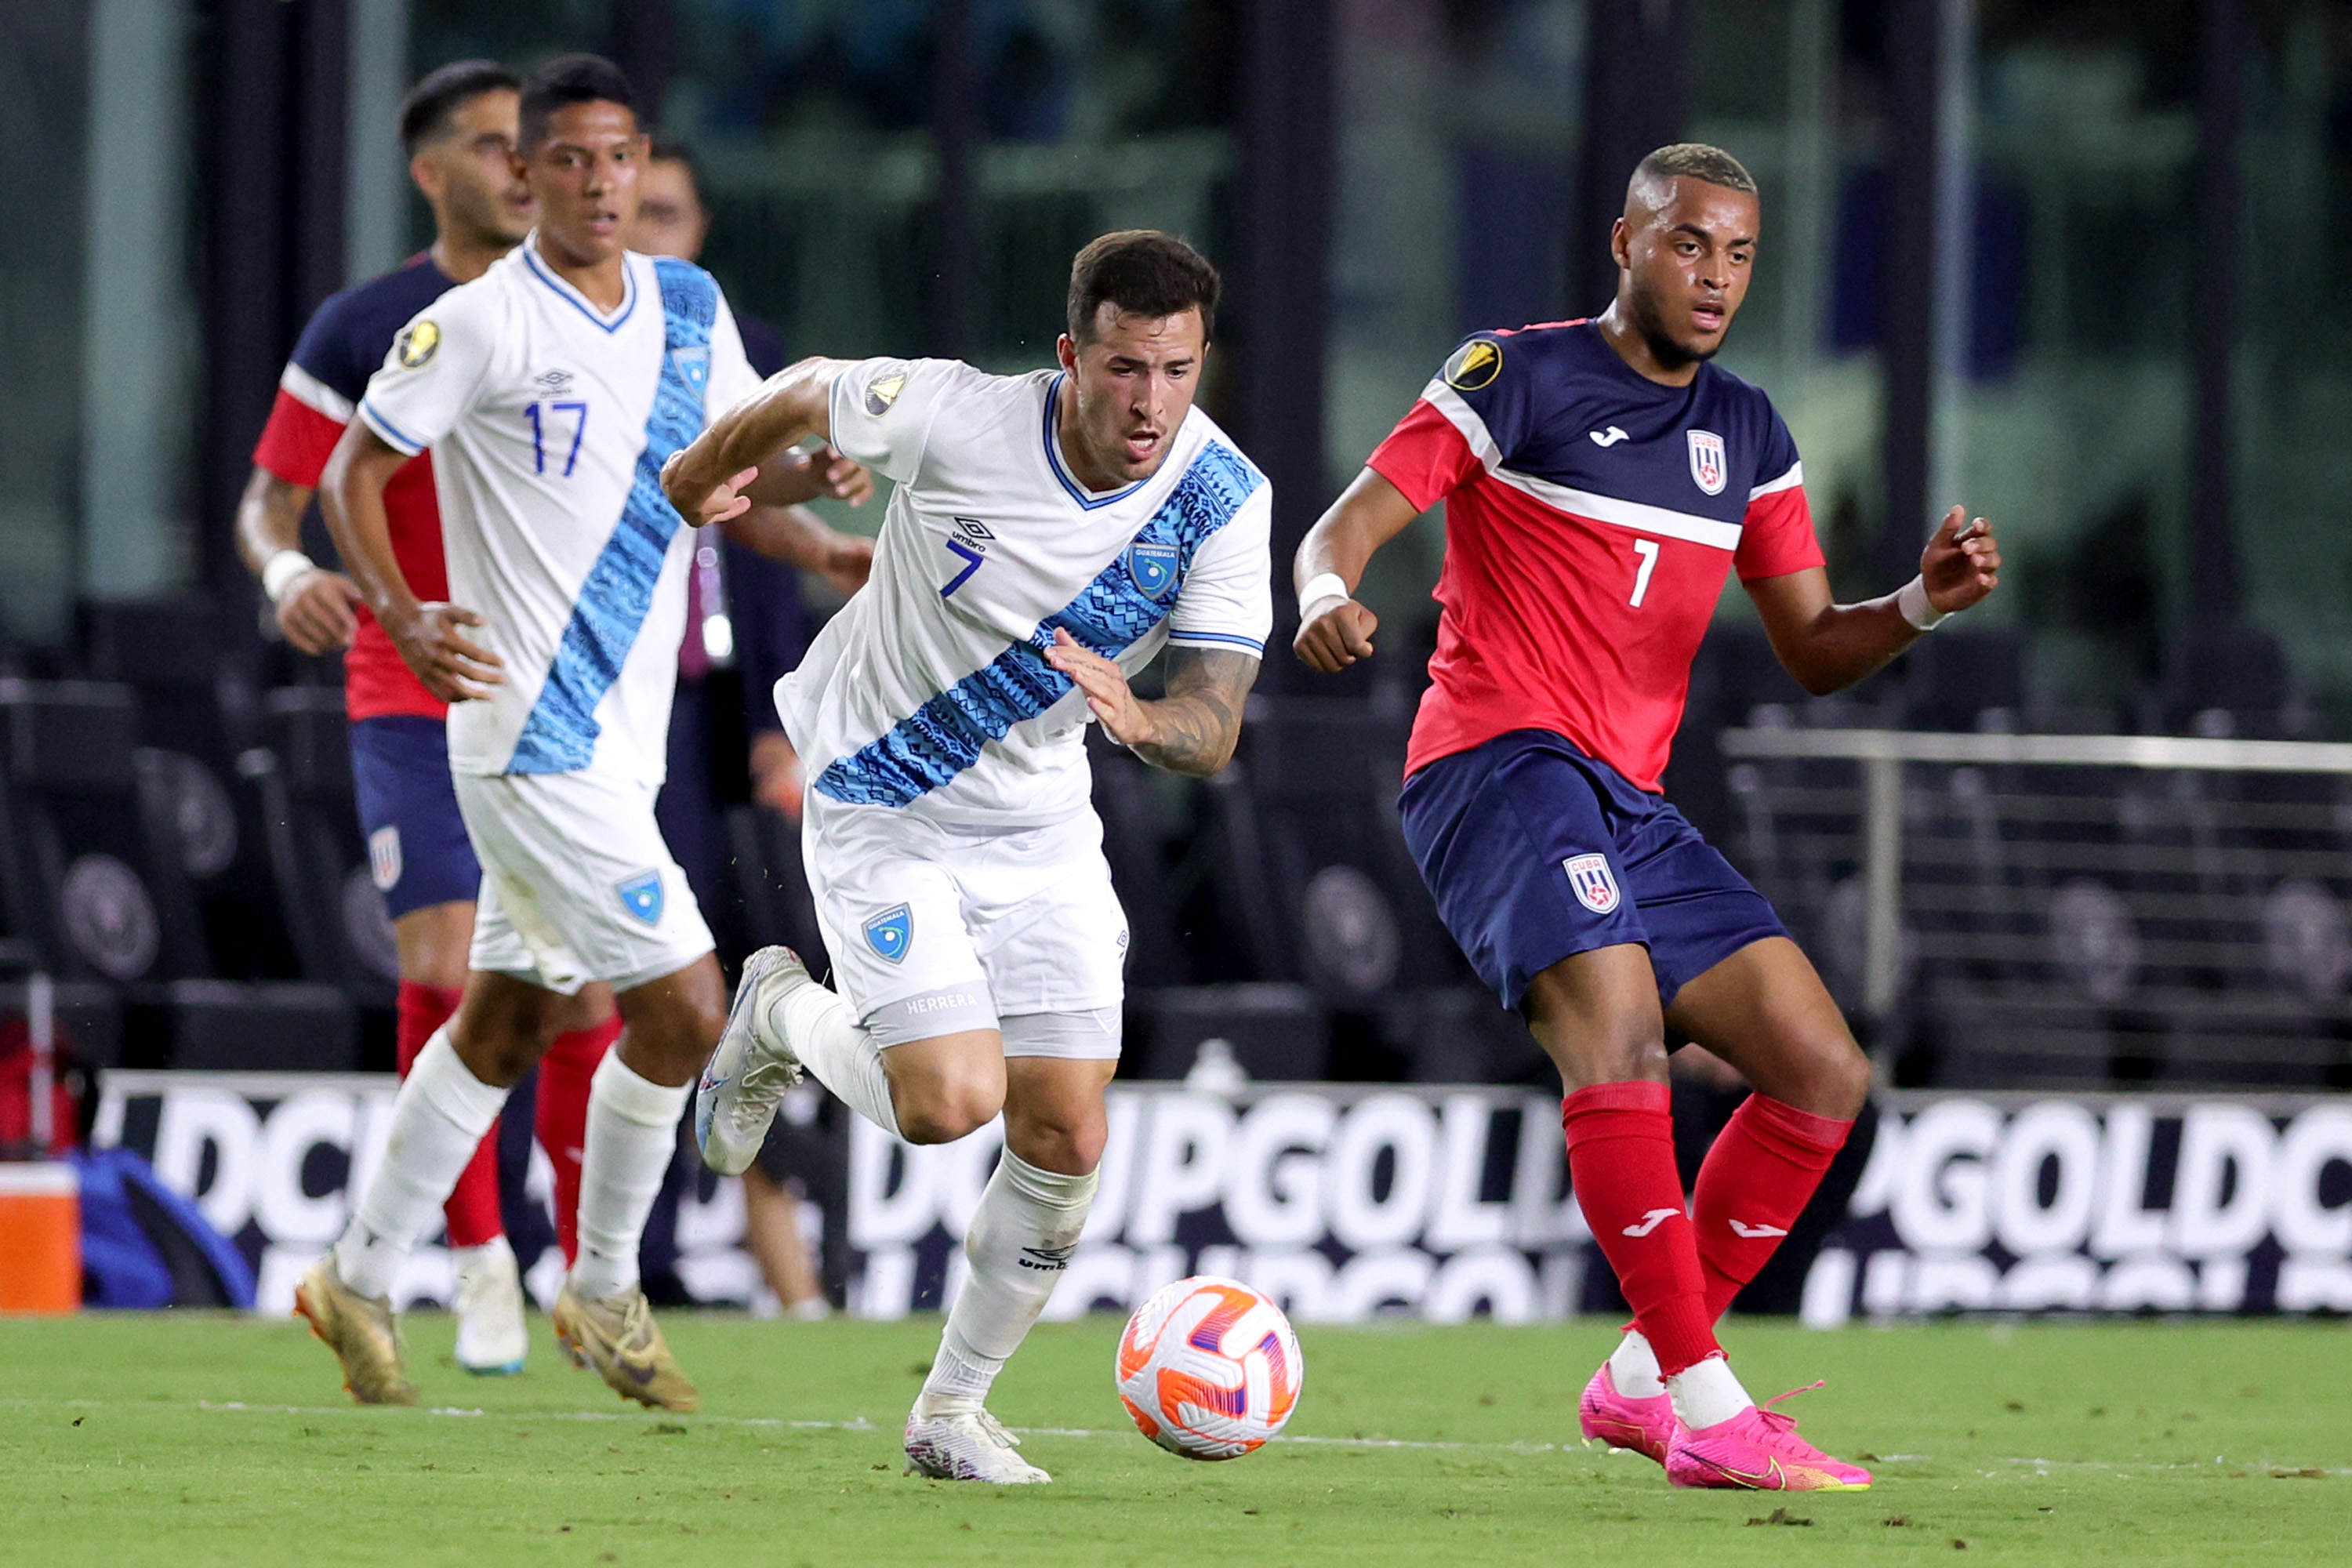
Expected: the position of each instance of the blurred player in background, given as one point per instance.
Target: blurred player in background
(1600, 477)
(458, 127)
(1050, 534)
(551, 389)
(743, 610)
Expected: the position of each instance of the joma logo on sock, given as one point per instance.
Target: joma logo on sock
(1652, 1221)
(1047, 1259)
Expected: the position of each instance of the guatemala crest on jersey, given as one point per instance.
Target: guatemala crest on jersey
(1152, 567)
(1588, 875)
(1708, 470)
(641, 896)
(891, 933)
(693, 367)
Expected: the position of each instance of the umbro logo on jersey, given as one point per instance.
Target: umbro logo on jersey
(1708, 470)
(975, 533)
(1608, 437)
(415, 345)
(1753, 1232)
(1651, 1222)
(551, 380)
(1594, 885)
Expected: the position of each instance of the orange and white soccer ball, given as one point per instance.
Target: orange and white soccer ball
(1209, 1368)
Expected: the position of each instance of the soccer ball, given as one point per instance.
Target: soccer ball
(1209, 1368)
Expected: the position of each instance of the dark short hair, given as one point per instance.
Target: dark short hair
(565, 81)
(1142, 272)
(431, 106)
(1696, 160)
(670, 149)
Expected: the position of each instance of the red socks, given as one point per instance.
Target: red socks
(562, 1120)
(472, 1210)
(1621, 1164)
(1757, 1179)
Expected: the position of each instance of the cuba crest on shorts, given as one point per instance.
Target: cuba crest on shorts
(1589, 876)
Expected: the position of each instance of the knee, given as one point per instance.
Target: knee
(1843, 1080)
(1630, 1050)
(1069, 1148)
(948, 1107)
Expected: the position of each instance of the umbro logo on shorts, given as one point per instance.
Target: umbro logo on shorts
(891, 933)
(641, 896)
(1595, 885)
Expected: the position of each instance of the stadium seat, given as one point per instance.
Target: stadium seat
(302, 779)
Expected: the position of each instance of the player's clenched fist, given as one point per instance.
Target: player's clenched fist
(1335, 634)
(451, 666)
(1960, 565)
(315, 611)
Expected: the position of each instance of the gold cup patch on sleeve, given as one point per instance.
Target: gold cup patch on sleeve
(415, 345)
(1475, 364)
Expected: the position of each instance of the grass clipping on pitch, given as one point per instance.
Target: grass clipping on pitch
(197, 1439)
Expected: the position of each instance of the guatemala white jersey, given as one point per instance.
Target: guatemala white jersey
(549, 421)
(930, 691)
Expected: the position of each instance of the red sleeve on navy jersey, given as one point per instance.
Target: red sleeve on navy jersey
(1424, 456)
(295, 444)
(1776, 536)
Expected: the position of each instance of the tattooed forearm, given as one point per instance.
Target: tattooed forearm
(1198, 723)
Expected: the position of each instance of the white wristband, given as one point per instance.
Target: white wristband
(281, 569)
(1912, 600)
(1319, 587)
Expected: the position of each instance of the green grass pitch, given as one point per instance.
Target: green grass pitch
(192, 1440)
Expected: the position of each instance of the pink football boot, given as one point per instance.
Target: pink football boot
(1645, 1426)
(1759, 1450)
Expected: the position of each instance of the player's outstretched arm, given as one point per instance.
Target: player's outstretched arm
(708, 481)
(1193, 730)
(313, 604)
(800, 539)
(1334, 630)
(351, 497)
(1828, 646)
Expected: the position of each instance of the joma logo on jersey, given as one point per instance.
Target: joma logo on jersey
(1708, 470)
(1589, 875)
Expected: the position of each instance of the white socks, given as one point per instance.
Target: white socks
(1706, 1394)
(437, 1121)
(1633, 1367)
(1020, 1239)
(831, 1045)
(632, 1135)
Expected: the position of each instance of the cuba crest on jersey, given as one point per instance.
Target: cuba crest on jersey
(1709, 470)
(1594, 885)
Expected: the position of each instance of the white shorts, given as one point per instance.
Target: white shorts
(577, 884)
(937, 930)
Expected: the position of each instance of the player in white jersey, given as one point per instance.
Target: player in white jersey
(1050, 534)
(550, 391)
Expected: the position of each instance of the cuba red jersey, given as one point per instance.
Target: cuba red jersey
(1591, 518)
(345, 344)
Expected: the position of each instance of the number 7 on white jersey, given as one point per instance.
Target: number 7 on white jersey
(1647, 549)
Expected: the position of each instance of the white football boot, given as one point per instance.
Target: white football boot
(967, 1446)
(491, 1339)
(750, 1070)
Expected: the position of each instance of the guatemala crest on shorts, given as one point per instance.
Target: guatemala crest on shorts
(891, 933)
(1596, 889)
(1153, 568)
(641, 896)
(1708, 471)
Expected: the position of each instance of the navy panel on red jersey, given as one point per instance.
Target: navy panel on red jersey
(343, 345)
(1593, 516)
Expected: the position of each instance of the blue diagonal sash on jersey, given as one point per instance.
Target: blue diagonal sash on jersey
(944, 736)
(560, 736)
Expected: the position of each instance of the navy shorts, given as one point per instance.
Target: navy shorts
(1535, 851)
(417, 849)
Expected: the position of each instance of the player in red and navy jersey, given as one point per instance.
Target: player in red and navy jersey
(458, 127)
(1602, 479)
